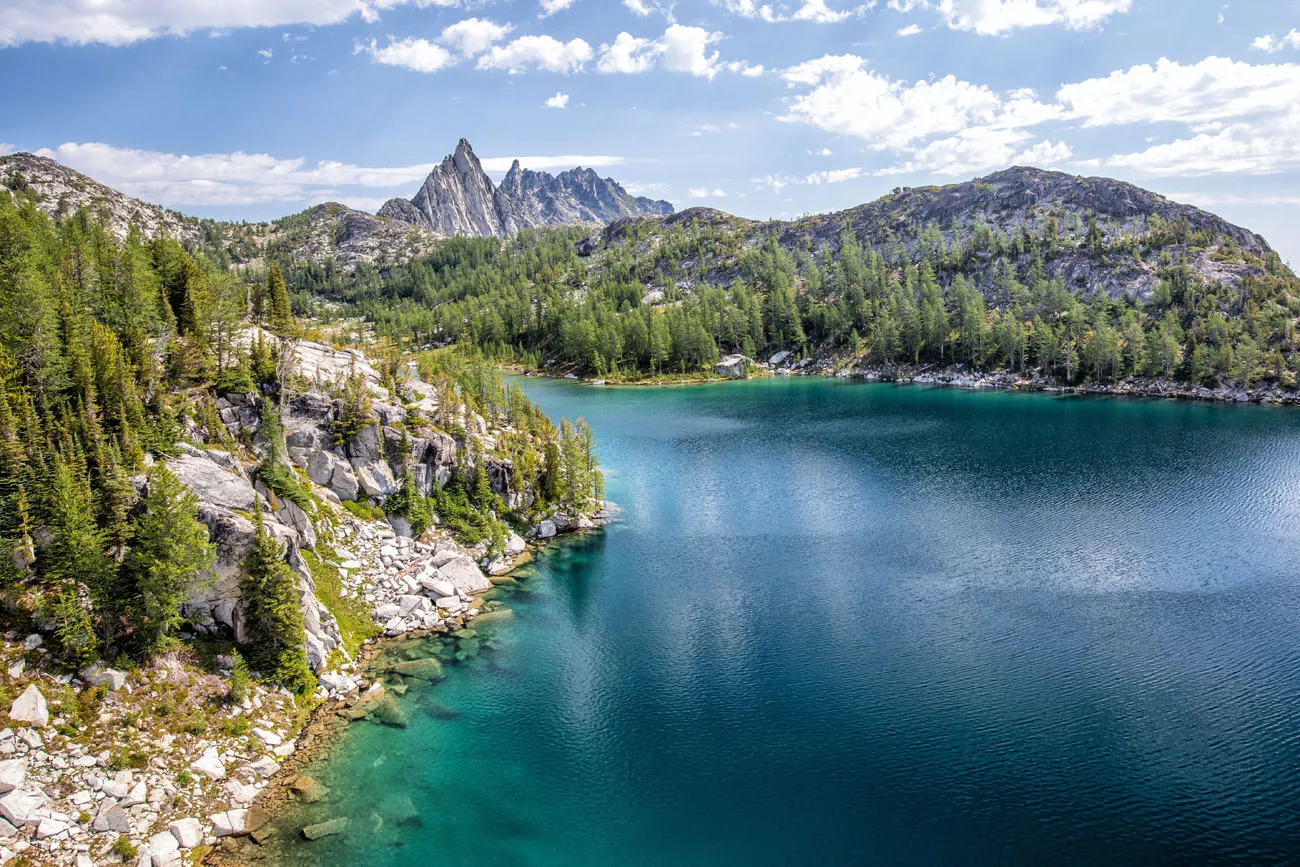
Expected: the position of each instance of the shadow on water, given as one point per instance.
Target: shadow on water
(853, 624)
(574, 566)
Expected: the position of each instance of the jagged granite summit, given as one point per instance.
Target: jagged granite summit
(458, 198)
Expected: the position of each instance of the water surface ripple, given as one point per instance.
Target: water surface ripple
(863, 624)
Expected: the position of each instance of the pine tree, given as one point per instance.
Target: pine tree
(73, 625)
(273, 616)
(76, 552)
(552, 481)
(281, 309)
(170, 553)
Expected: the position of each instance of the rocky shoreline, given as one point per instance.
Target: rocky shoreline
(418, 589)
(165, 763)
(958, 376)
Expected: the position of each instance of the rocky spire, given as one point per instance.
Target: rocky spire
(458, 198)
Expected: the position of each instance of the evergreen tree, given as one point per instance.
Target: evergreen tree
(170, 553)
(272, 612)
(278, 292)
(73, 626)
(77, 551)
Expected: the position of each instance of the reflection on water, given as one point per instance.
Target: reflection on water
(846, 624)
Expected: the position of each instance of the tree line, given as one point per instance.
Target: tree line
(991, 301)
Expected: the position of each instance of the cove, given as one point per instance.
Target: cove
(846, 623)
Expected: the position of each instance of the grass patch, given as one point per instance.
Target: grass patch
(352, 613)
(364, 511)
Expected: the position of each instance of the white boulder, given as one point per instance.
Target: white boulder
(30, 708)
(163, 848)
(209, 764)
(271, 739)
(265, 767)
(188, 833)
(465, 574)
(230, 823)
(13, 773)
(20, 807)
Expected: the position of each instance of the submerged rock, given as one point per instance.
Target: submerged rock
(309, 789)
(421, 669)
(326, 829)
(388, 712)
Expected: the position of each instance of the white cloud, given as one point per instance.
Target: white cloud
(474, 35)
(266, 52)
(6, 148)
(1209, 92)
(910, 30)
(640, 8)
(816, 11)
(705, 193)
(1239, 117)
(121, 22)
(1271, 44)
(686, 49)
(679, 49)
(996, 17)
(834, 176)
(1240, 149)
(560, 100)
(1210, 200)
(419, 55)
(628, 54)
(847, 98)
(539, 52)
(781, 180)
(242, 179)
(550, 7)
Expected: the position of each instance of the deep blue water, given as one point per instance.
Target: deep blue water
(842, 623)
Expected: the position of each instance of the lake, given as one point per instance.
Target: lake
(846, 623)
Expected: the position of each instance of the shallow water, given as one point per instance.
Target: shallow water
(843, 623)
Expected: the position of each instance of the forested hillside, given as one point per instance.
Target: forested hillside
(120, 359)
(1066, 279)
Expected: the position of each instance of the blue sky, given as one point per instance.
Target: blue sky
(766, 108)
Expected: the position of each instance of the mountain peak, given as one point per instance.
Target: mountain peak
(458, 198)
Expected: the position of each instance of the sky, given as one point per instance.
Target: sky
(253, 109)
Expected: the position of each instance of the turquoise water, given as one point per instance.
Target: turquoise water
(843, 623)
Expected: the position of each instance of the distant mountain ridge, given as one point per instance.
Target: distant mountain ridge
(981, 213)
(459, 199)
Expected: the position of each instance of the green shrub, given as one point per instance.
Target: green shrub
(286, 485)
(237, 688)
(124, 849)
(366, 511)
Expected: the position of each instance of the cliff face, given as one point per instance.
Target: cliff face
(1007, 201)
(458, 198)
(367, 467)
(528, 199)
